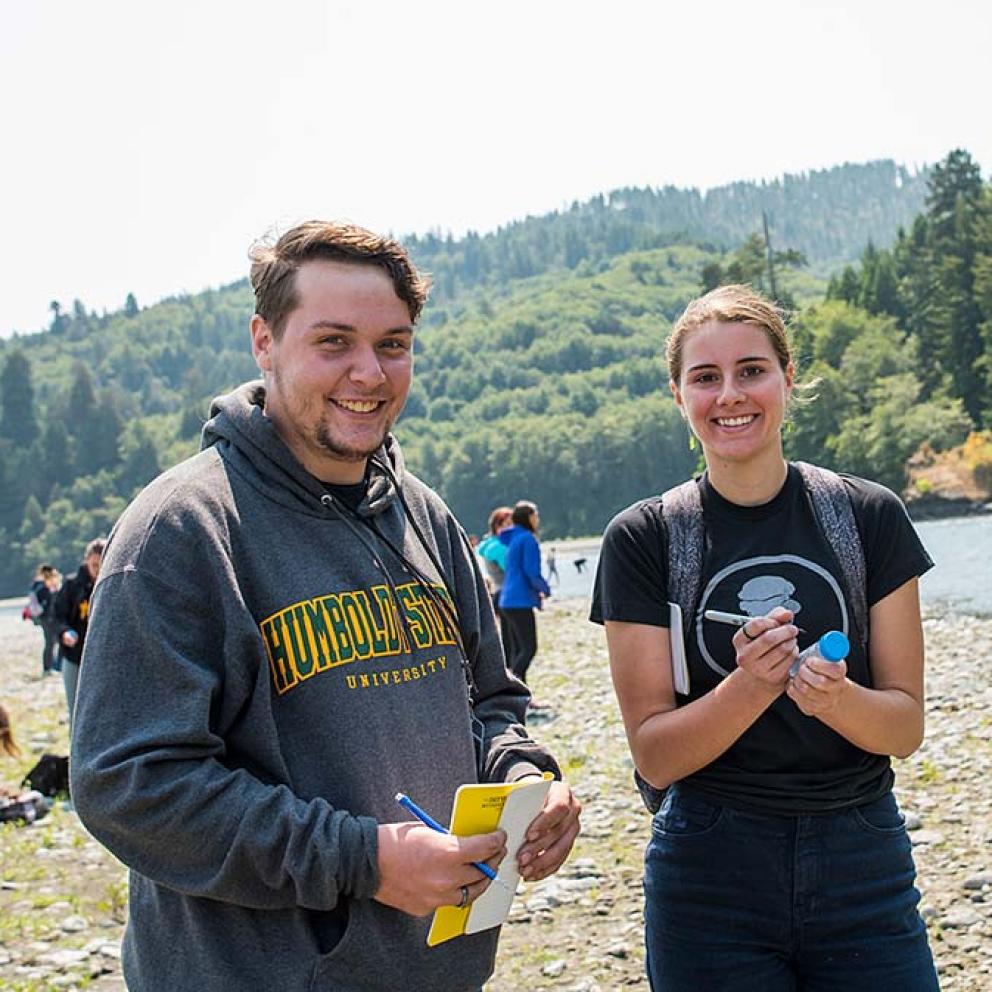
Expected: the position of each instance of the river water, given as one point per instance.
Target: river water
(961, 581)
(960, 547)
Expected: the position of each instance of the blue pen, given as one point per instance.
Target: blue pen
(407, 803)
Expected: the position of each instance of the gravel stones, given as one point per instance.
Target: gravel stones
(63, 898)
(596, 942)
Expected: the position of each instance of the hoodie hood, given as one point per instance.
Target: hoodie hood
(241, 431)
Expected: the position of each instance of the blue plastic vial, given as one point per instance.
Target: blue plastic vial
(832, 646)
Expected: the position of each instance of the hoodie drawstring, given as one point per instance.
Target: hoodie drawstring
(361, 528)
(344, 513)
(449, 608)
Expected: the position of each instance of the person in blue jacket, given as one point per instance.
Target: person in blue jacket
(523, 586)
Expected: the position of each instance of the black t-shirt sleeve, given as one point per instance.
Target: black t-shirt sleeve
(894, 553)
(631, 579)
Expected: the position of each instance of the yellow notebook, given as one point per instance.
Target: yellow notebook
(480, 809)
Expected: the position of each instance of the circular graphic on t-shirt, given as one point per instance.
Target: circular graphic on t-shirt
(754, 586)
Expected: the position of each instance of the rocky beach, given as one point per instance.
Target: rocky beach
(63, 898)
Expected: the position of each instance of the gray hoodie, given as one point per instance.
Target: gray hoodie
(264, 670)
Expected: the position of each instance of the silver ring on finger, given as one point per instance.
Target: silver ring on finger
(463, 902)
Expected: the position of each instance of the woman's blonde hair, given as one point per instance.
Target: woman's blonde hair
(734, 304)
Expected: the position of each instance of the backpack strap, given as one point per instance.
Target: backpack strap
(682, 510)
(835, 515)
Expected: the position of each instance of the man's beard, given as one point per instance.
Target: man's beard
(324, 438)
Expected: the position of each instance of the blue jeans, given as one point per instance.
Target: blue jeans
(745, 902)
(50, 660)
(70, 679)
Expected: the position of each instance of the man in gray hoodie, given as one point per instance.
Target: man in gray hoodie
(289, 629)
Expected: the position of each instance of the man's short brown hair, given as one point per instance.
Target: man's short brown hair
(274, 266)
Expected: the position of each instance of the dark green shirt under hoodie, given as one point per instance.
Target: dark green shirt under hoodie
(263, 673)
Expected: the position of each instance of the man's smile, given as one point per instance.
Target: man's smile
(359, 406)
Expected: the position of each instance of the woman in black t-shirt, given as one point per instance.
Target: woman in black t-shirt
(778, 859)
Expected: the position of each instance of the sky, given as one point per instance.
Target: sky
(146, 146)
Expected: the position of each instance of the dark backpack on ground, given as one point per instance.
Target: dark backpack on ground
(682, 511)
(50, 776)
(25, 808)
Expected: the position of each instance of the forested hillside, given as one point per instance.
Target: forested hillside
(549, 385)
(828, 215)
(555, 391)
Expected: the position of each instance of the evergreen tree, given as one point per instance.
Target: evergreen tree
(918, 292)
(58, 320)
(983, 295)
(17, 413)
(845, 287)
(54, 463)
(82, 398)
(15, 488)
(81, 419)
(878, 285)
(80, 324)
(955, 180)
(32, 520)
(712, 276)
(190, 422)
(955, 206)
(139, 464)
(103, 435)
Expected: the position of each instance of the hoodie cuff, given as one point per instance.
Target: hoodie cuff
(524, 769)
(359, 871)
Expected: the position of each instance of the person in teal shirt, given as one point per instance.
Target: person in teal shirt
(492, 552)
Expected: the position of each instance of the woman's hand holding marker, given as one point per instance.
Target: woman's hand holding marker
(765, 646)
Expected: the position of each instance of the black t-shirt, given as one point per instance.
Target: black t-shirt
(351, 495)
(756, 558)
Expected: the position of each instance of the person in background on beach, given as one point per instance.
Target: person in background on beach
(524, 588)
(778, 858)
(45, 588)
(72, 613)
(7, 741)
(492, 552)
(551, 563)
(290, 629)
